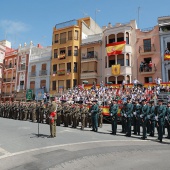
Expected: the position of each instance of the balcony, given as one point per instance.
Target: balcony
(43, 73)
(92, 56)
(124, 70)
(8, 79)
(147, 70)
(147, 49)
(32, 74)
(6, 94)
(22, 67)
(9, 66)
(88, 75)
(62, 56)
(61, 72)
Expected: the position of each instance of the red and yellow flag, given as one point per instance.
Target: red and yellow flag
(115, 48)
(116, 70)
(167, 57)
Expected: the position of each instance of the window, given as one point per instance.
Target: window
(56, 38)
(68, 67)
(70, 35)
(68, 84)
(127, 60)
(62, 53)
(76, 35)
(90, 52)
(42, 83)
(76, 51)
(74, 82)
(111, 62)
(168, 46)
(53, 85)
(54, 68)
(120, 60)
(32, 85)
(147, 45)
(63, 38)
(148, 79)
(69, 51)
(55, 53)
(43, 67)
(33, 68)
(127, 38)
(75, 67)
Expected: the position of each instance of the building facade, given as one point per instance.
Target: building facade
(119, 33)
(39, 68)
(22, 71)
(164, 34)
(9, 75)
(148, 55)
(66, 55)
(91, 54)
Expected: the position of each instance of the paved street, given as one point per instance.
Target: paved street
(22, 149)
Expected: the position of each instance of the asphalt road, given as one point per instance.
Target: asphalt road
(22, 149)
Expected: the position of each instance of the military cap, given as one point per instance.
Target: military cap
(94, 101)
(151, 101)
(128, 98)
(144, 100)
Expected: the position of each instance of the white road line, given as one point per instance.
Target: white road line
(62, 145)
(3, 151)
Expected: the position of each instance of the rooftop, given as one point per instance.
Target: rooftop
(66, 24)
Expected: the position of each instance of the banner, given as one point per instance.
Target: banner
(29, 94)
(39, 94)
(115, 48)
(116, 70)
(167, 57)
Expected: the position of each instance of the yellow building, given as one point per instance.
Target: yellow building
(66, 54)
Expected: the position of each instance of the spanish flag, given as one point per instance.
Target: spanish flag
(116, 70)
(167, 57)
(115, 48)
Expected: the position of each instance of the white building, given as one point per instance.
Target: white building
(39, 68)
(117, 33)
(164, 32)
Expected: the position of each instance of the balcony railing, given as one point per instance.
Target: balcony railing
(61, 72)
(9, 66)
(32, 74)
(43, 72)
(91, 55)
(147, 48)
(6, 94)
(8, 79)
(148, 70)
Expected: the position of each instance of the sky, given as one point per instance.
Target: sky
(33, 20)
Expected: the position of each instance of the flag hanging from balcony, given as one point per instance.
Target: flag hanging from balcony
(167, 57)
(115, 48)
(116, 70)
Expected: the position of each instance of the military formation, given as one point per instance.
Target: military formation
(137, 115)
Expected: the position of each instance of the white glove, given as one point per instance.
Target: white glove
(156, 117)
(110, 114)
(141, 116)
(166, 117)
(134, 113)
(125, 115)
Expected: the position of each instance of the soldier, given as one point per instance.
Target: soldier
(1, 109)
(89, 115)
(113, 109)
(151, 118)
(66, 112)
(144, 117)
(128, 115)
(33, 111)
(24, 109)
(123, 118)
(41, 111)
(84, 112)
(100, 121)
(59, 110)
(136, 114)
(161, 111)
(167, 119)
(53, 118)
(94, 111)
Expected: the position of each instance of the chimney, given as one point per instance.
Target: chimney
(39, 46)
(109, 25)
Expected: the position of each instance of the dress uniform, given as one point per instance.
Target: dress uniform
(123, 118)
(128, 115)
(144, 117)
(113, 109)
(94, 111)
(168, 119)
(151, 118)
(161, 111)
(136, 114)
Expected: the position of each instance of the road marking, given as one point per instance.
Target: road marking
(62, 145)
(3, 151)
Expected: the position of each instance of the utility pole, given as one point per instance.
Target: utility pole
(138, 14)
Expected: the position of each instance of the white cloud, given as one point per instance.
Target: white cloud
(13, 27)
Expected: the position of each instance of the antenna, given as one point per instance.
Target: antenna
(97, 10)
(138, 14)
(84, 13)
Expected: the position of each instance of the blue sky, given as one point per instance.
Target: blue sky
(22, 21)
